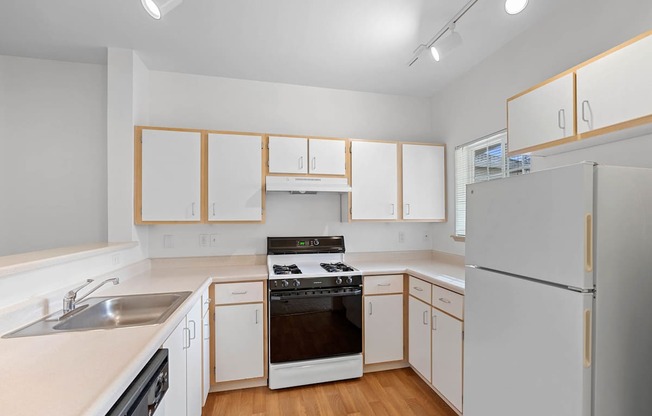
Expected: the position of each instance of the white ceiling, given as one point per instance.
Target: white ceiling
(360, 45)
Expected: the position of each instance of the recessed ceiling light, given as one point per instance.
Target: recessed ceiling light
(515, 6)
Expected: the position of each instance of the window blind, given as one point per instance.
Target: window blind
(482, 160)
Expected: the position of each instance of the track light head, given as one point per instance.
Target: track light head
(446, 44)
(159, 8)
(515, 6)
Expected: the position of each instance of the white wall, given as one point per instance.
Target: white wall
(193, 101)
(53, 169)
(474, 105)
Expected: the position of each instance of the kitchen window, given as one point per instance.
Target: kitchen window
(482, 160)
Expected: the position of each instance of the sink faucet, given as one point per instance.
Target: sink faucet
(70, 300)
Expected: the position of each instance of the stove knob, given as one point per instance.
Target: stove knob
(285, 283)
(338, 280)
(296, 283)
(315, 242)
(349, 280)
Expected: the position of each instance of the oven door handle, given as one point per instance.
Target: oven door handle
(356, 292)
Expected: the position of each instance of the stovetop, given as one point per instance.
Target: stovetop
(307, 257)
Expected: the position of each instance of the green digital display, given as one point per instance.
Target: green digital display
(302, 243)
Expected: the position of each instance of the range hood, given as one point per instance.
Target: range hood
(306, 185)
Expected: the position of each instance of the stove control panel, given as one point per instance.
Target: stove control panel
(314, 282)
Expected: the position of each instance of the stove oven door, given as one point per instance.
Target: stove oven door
(316, 323)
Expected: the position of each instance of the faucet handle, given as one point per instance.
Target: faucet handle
(73, 293)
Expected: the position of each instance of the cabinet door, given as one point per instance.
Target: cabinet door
(615, 88)
(288, 155)
(327, 157)
(424, 187)
(238, 342)
(194, 365)
(374, 180)
(206, 354)
(171, 175)
(543, 115)
(383, 336)
(175, 398)
(447, 357)
(235, 177)
(419, 337)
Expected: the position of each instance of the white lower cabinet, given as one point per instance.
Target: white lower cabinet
(206, 347)
(383, 328)
(184, 395)
(419, 337)
(239, 352)
(447, 356)
(436, 339)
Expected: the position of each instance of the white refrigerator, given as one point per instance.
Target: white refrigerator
(558, 298)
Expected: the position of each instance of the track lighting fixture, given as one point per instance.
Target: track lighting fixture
(159, 8)
(448, 39)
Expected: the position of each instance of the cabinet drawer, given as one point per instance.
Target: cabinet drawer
(226, 293)
(420, 289)
(374, 285)
(447, 301)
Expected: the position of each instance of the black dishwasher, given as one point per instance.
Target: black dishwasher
(144, 394)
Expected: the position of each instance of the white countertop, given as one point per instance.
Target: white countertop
(84, 373)
(439, 272)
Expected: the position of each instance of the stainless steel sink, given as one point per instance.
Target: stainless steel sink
(108, 313)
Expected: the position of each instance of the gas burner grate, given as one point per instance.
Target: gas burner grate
(336, 267)
(286, 269)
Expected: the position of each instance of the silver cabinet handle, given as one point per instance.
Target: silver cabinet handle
(434, 322)
(193, 209)
(239, 293)
(384, 284)
(186, 337)
(407, 209)
(194, 329)
(584, 104)
(417, 288)
(213, 209)
(256, 320)
(314, 163)
(561, 119)
(300, 162)
(371, 309)
(425, 317)
(392, 205)
(444, 300)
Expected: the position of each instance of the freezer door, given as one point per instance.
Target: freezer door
(527, 348)
(537, 225)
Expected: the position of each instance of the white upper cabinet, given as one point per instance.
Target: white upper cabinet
(374, 180)
(235, 179)
(288, 155)
(327, 157)
(543, 115)
(297, 155)
(616, 87)
(424, 183)
(171, 176)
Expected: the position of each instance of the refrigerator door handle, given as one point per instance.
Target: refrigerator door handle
(587, 338)
(588, 244)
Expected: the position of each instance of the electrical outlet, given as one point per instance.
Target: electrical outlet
(401, 237)
(204, 240)
(213, 240)
(426, 237)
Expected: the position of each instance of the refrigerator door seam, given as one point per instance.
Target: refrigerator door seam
(531, 279)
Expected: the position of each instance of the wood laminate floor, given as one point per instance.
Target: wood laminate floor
(387, 393)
